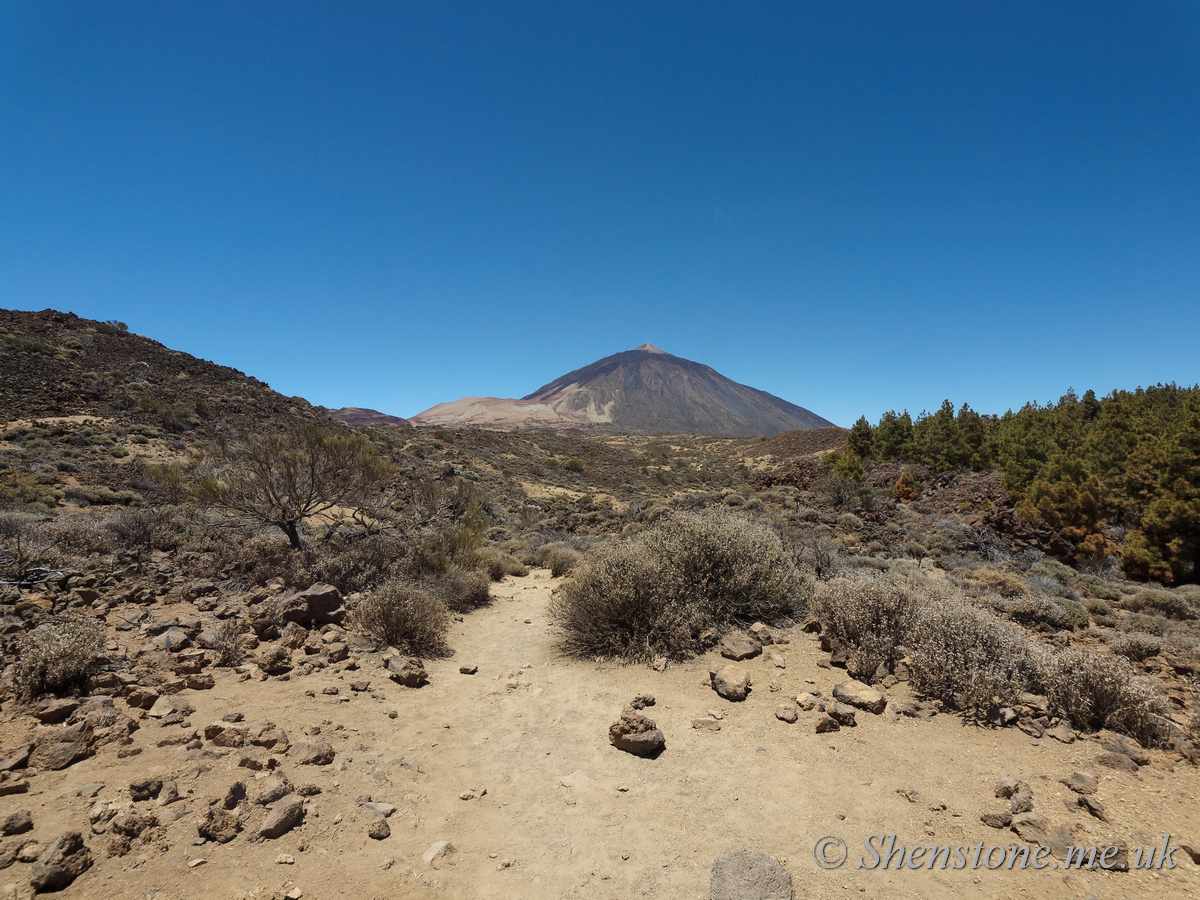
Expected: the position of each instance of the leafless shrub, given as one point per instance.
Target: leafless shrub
(965, 656)
(498, 564)
(58, 656)
(29, 553)
(1099, 690)
(663, 590)
(557, 557)
(1136, 647)
(463, 589)
(228, 643)
(869, 612)
(404, 615)
(80, 534)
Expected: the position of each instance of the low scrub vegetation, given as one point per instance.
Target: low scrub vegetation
(405, 615)
(58, 656)
(672, 588)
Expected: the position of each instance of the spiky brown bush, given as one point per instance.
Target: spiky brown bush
(228, 643)
(1099, 690)
(463, 589)
(557, 557)
(660, 592)
(404, 615)
(498, 564)
(869, 612)
(58, 657)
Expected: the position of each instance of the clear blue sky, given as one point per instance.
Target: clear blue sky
(856, 206)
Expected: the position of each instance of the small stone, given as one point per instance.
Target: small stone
(1006, 787)
(379, 829)
(1021, 802)
(911, 794)
(786, 712)
(61, 863)
(285, 859)
(842, 713)
(196, 862)
(468, 670)
(636, 734)
(859, 695)
(826, 724)
(312, 753)
(146, 789)
(738, 645)
(1093, 806)
(18, 823)
(437, 851)
(1062, 732)
(1117, 761)
(406, 670)
(285, 815)
(706, 724)
(997, 819)
(218, 825)
(1081, 783)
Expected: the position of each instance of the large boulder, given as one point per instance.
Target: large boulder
(861, 696)
(56, 747)
(738, 645)
(321, 603)
(749, 875)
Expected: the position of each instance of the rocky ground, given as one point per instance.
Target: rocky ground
(310, 770)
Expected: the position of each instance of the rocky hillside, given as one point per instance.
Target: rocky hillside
(55, 364)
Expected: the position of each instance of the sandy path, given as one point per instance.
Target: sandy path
(574, 817)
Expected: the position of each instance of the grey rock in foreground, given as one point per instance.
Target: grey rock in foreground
(61, 863)
(749, 875)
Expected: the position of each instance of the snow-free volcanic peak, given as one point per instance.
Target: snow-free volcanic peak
(645, 390)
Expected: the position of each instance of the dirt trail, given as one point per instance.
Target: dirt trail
(567, 815)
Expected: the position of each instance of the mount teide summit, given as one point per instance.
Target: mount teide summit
(643, 390)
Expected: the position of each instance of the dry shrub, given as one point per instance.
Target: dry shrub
(660, 592)
(1162, 603)
(1097, 690)
(228, 643)
(463, 589)
(58, 656)
(498, 564)
(869, 612)
(557, 557)
(1003, 583)
(80, 534)
(1037, 611)
(404, 615)
(966, 657)
(1136, 647)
